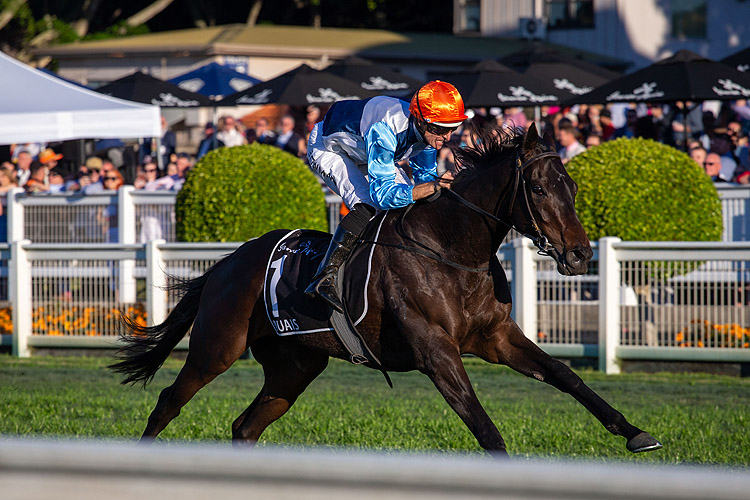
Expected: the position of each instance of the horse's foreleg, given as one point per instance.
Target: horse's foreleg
(446, 370)
(287, 372)
(521, 354)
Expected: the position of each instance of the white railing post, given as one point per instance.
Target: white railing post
(156, 282)
(609, 305)
(20, 284)
(15, 215)
(525, 288)
(126, 233)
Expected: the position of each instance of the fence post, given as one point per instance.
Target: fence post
(15, 215)
(156, 282)
(126, 234)
(609, 305)
(525, 288)
(20, 285)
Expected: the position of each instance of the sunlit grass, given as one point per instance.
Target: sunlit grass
(699, 418)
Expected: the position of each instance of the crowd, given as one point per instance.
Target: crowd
(714, 134)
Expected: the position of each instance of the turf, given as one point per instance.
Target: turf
(700, 418)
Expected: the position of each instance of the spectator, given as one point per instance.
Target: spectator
(168, 142)
(37, 182)
(8, 179)
(468, 140)
(148, 175)
(608, 129)
(23, 167)
(209, 141)
(721, 144)
(230, 133)
(712, 166)
(262, 132)
(49, 158)
(289, 140)
(56, 180)
(184, 164)
(91, 182)
(630, 129)
(593, 140)
(112, 180)
(311, 118)
(698, 154)
(570, 146)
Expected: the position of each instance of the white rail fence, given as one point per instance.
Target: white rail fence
(128, 215)
(648, 301)
(93, 470)
(136, 216)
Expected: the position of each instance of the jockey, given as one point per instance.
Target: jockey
(356, 148)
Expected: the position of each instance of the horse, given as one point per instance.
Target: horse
(437, 292)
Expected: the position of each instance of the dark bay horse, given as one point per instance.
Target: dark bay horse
(425, 311)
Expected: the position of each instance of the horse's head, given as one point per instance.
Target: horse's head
(545, 204)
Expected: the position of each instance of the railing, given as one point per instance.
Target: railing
(686, 301)
(88, 470)
(667, 300)
(128, 215)
(149, 215)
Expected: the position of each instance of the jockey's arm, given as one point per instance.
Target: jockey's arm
(381, 168)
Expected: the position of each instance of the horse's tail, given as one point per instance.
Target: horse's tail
(147, 347)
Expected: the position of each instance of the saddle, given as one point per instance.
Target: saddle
(292, 264)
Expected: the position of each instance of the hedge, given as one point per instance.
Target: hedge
(235, 194)
(641, 190)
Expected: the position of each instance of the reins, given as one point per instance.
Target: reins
(539, 240)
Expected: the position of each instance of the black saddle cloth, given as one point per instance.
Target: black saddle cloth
(292, 265)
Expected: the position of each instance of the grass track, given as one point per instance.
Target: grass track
(699, 418)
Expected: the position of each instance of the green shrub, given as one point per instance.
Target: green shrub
(235, 194)
(640, 190)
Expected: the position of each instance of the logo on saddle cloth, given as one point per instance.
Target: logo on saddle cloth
(292, 265)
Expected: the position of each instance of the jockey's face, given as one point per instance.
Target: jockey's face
(437, 136)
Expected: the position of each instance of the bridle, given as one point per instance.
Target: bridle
(540, 240)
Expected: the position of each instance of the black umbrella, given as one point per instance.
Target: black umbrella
(686, 76)
(140, 87)
(565, 73)
(375, 77)
(739, 60)
(301, 86)
(490, 83)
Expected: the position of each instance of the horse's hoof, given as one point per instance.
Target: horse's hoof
(643, 442)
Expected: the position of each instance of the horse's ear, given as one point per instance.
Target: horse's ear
(549, 141)
(532, 137)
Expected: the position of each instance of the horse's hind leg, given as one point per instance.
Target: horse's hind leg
(288, 368)
(522, 355)
(202, 365)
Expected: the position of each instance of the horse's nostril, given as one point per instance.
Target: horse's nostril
(576, 256)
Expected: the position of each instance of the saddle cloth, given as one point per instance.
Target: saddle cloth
(291, 266)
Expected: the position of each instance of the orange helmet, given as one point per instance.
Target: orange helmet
(438, 103)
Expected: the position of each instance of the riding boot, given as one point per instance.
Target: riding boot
(342, 243)
(324, 282)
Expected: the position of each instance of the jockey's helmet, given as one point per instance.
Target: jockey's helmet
(438, 104)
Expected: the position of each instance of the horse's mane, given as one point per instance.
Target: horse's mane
(492, 146)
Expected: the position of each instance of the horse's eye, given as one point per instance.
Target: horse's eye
(537, 190)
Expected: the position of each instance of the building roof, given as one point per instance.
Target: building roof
(306, 42)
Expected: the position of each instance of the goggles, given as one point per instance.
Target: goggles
(438, 130)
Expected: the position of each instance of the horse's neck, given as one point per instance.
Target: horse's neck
(491, 191)
(464, 233)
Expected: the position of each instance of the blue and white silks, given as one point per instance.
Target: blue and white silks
(368, 137)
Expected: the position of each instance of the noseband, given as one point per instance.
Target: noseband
(539, 240)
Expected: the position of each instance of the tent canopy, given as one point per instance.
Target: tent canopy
(41, 108)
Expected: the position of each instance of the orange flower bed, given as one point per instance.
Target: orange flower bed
(65, 319)
(703, 333)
